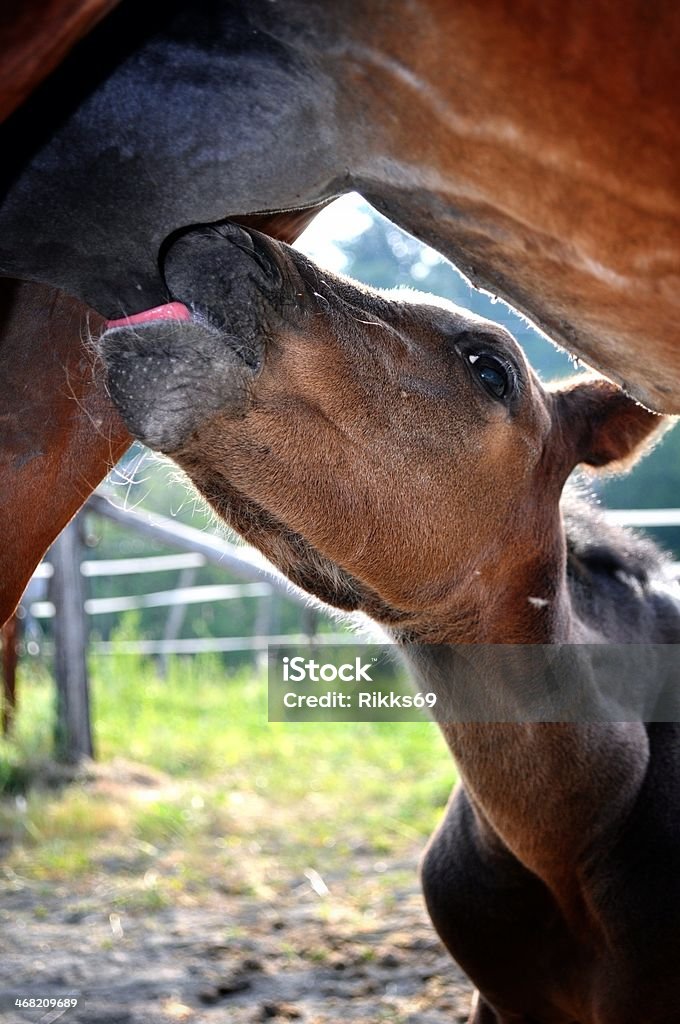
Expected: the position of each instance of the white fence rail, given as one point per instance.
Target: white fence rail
(644, 516)
(160, 599)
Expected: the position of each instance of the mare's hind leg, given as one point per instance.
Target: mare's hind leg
(9, 634)
(60, 431)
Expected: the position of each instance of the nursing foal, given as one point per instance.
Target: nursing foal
(402, 459)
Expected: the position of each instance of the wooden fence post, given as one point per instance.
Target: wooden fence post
(309, 618)
(175, 619)
(264, 618)
(73, 734)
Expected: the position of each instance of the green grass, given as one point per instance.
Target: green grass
(227, 801)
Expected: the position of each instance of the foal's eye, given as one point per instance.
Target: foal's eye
(492, 374)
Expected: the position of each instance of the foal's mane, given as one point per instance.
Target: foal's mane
(600, 549)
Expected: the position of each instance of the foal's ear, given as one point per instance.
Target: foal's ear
(599, 425)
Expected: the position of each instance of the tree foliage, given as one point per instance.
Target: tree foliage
(384, 256)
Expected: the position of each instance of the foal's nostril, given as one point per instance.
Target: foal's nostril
(262, 257)
(219, 264)
(235, 235)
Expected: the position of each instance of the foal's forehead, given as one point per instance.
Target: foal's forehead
(455, 323)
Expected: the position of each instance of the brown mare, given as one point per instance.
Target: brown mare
(402, 459)
(535, 144)
(60, 436)
(34, 39)
(60, 432)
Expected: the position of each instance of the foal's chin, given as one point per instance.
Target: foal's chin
(168, 379)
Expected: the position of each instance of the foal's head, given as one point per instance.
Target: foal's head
(387, 453)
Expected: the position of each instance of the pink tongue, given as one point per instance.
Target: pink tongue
(170, 311)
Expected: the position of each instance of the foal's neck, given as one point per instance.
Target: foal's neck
(519, 712)
(547, 791)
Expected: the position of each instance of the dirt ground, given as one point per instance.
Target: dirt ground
(300, 958)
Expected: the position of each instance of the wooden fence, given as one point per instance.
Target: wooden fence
(70, 607)
(258, 578)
